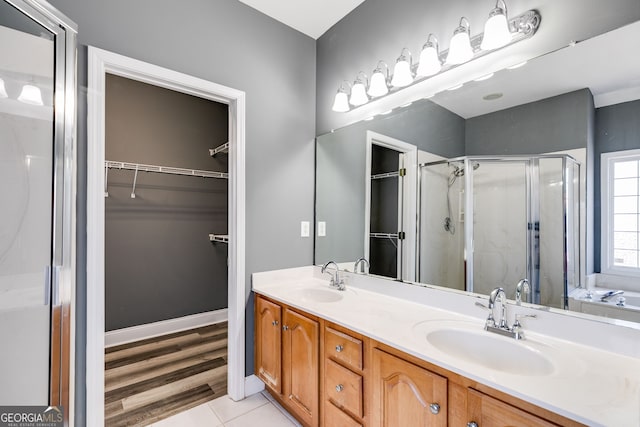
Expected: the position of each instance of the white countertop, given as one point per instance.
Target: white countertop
(586, 383)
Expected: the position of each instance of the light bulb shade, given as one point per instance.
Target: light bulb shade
(3, 90)
(341, 102)
(496, 31)
(429, 62)
(460, 50)
(402, 74)
(378, 85)
(358, 94)
(31, 95)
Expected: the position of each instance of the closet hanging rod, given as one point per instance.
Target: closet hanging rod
(164, 169)
(224, 148)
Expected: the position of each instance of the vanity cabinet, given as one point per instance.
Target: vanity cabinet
(486, 411)
(405, 394)
(287, 348)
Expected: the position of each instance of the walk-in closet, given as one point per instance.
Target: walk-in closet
(166, 272)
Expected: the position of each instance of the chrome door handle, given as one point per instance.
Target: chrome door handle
(339, 388)
(339, 348)
(274, 323)
(434, 408)
(285, 328)
(472, 424)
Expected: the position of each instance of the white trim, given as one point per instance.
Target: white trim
(163, 327)
(101, 62)
(252, 385)
(606, 210)
(410, 198)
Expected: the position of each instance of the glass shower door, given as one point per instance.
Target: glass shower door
(28, 217)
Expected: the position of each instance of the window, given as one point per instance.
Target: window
(620, 203)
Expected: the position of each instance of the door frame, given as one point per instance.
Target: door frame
(101, 62)
(408, 195)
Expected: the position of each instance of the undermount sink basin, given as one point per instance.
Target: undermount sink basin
(320, 294)
(484, 349)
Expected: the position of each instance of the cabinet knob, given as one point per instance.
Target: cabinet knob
(285, 328)
(339, 348)
(472, 424)
(339, 388)
(274, 323)
(435, 408)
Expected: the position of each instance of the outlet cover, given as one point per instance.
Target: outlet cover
(304, 228)
(322, 229)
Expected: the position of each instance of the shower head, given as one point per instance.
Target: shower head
(458, 171)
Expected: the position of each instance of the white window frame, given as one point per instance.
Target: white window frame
(607, 161)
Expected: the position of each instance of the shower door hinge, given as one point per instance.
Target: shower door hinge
(401, 235)
(402, 172)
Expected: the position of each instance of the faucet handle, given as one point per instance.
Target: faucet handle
(524, 316)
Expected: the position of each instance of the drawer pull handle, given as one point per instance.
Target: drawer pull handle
(339, 348)
(274, 323)
(339, 388)
(472, 424)
(285, 328)
(435, 408)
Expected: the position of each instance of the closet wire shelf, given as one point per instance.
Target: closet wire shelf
(384, 235)
(394, 174)
(224, 148)
(221, 238)
(109, 164)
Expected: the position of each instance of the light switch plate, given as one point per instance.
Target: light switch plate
(322, 229)
(304, 228)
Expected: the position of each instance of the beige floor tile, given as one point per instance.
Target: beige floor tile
(226, 409)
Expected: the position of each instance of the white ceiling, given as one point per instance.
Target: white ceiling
(311, 17)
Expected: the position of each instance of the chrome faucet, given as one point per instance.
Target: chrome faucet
(607, 295)
(336, 281)
(365, 265)
(522, 286)
(501, 327)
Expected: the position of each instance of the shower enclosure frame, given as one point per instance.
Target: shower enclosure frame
(532, 189)
(62, 268)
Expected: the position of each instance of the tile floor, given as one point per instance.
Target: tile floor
(257, 410)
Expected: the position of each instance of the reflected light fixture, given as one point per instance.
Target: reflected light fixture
(496, 29)
(3, 90)
(460, 50)
(485, 77)
(31, 95)
(518, 65)
(341, 101)
(378, 85)
(402, 75)
(429, 58)
(359, 90)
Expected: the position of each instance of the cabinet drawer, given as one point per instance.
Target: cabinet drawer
(344, 388)
(334, 417)
(344, 348)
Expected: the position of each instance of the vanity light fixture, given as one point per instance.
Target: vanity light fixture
(496, 29)
(359, 90)
(499, 31)
(456, 87)
(518, 65)
(31, 95)
(341, 101)
(402, 74)
(378, 85)
(430, 63)
(3, 90)
(485, 77)
(460, 50)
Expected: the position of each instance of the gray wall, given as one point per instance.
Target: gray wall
(229, 43)
(617, 128)
(159, 262)
(379, 29)
(552, 124)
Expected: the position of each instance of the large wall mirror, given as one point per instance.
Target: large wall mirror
(488, 184)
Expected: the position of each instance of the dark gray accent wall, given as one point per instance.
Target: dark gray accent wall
(552, 124)
(229, 43)
(617, 129)
(379, 29)
(159, 262)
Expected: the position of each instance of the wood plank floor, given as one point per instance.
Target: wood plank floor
(152, 379)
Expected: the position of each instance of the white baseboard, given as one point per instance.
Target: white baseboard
(150, 330)
(252, 385)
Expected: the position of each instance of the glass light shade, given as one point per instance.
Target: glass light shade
(358, 94)
(341, 102)
(3, 90)
(31, 95)
(429, 62)
(378, 85)
(460, 50)
(496, 31)
(402, 74)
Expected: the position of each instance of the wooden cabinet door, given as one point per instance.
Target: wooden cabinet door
(268, 343)
(301, 365)
(486, 411)
(403, 394)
